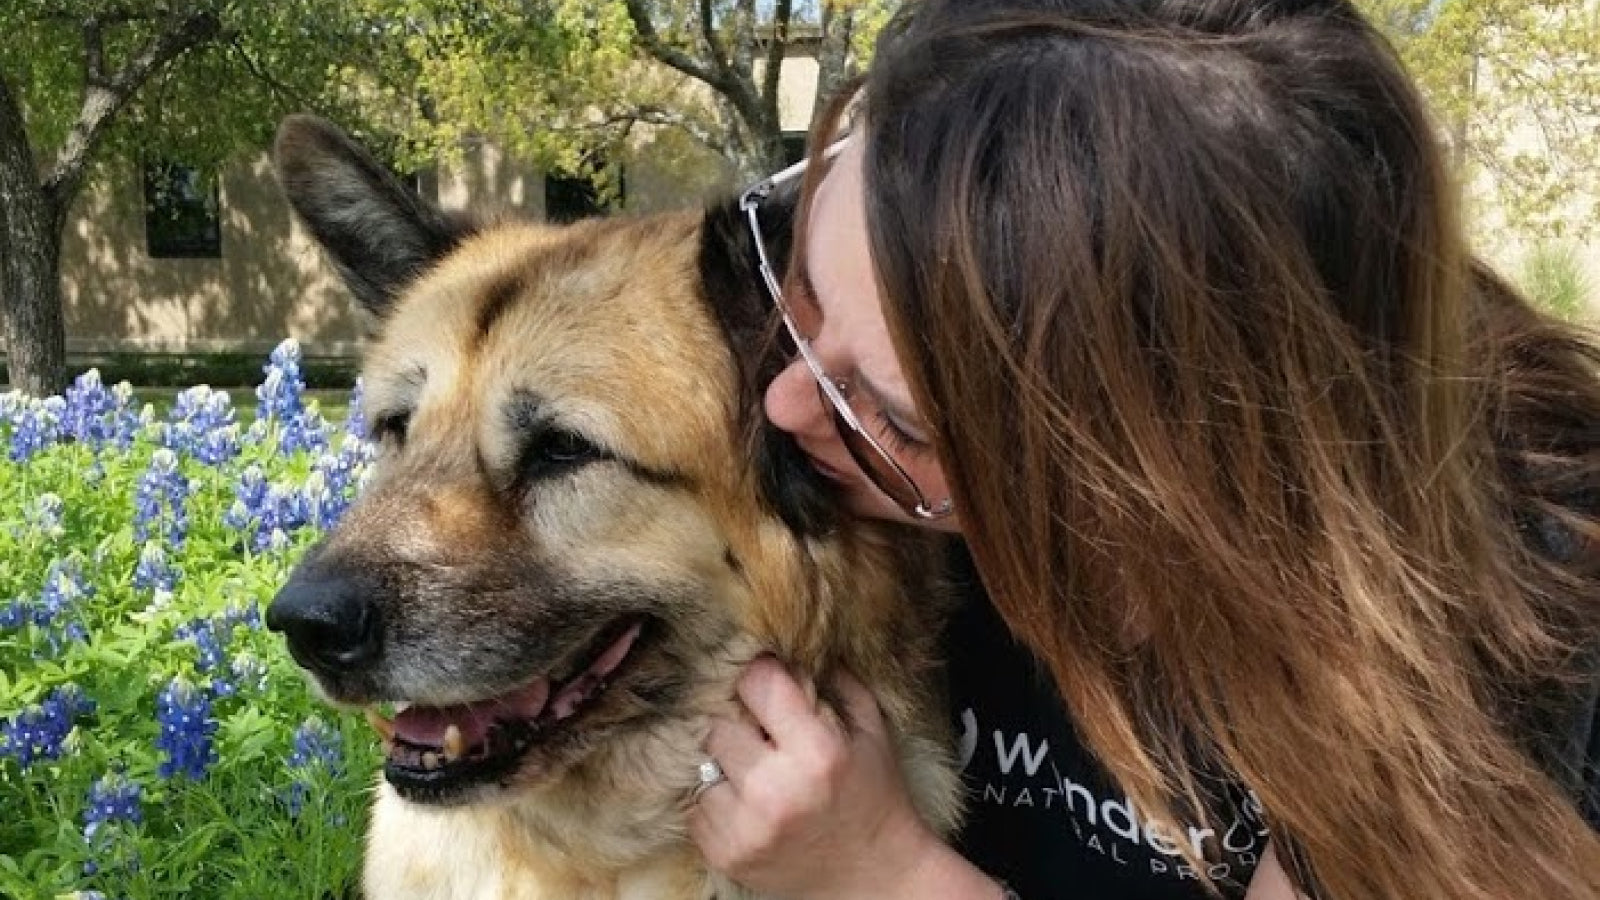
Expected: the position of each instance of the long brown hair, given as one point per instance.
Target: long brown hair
(1273, 475)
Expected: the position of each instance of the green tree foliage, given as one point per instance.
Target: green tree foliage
(556, 80)
(1516, 84)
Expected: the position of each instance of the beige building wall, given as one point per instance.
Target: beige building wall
(271, 281)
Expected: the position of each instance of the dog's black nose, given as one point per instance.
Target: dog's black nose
(331, 624)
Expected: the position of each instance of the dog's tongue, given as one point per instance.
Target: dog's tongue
(425, 726)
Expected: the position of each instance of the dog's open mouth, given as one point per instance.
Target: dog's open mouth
(433, 753)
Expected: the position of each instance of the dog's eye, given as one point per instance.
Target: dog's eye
(554, 451)
(392, 425)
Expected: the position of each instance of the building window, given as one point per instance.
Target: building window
(568, 198)
(794, 147)
(181, 212)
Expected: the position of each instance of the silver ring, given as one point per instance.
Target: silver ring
(711, 775)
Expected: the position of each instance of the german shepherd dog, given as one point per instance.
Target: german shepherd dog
(578, 530)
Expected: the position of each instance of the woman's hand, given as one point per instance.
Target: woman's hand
(813, 806)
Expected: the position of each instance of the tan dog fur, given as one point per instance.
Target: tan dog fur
(609, 324)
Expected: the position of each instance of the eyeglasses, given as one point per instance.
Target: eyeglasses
(886, 475)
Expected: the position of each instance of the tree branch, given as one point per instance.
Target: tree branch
(94, 53)
(833, 54)
(741, 93)
(645, 114)
(779, 40)
(265, 77)
(708, 30)
(742, 26)
(651, 41)
(655, 115)
(102, 102)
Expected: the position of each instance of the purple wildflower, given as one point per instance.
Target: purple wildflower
(160, 501)
(40, 730)
(153, 571)
(184, 712)
(355, 423)
(112, 799)
(281, 394)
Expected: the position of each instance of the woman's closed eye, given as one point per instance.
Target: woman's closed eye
(897, 440)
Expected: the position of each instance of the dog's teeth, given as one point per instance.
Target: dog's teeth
(454, 745)
(430, 760)
(384, 727)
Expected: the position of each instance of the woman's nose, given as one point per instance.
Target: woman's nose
(794, 404)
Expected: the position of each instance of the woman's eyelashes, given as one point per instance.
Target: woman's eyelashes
(897, 439)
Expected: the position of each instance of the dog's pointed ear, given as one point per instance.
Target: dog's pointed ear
(378, 233)
(729, 272)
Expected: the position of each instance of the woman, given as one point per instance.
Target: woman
(1162, 305)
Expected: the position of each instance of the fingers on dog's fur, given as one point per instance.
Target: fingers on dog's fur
(380, 234)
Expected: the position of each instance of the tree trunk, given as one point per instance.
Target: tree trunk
(33, 205)
(30, 249)
(834, 65)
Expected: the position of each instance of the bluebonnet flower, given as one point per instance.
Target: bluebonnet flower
(129, 422)
(322, 508)
(278, 541)
(40, 730)
(112, 799)
(307, 431)
(160, 500)
(56, 609)
(65, 587)
(208, 638)
(247, 614)
(87, 403)
(43, 515)
(281, 394)
(250, 493)
(334, 482)
(316, 746)
(261, 509)
(282, 511)
(74, 632)
(257, 433)
(249, 671)
(35, 425)
(202, 424)
(184, 712)
(316, 743)
(153, 571)
(15, 613)
(355, 423)
(218, 447)
(203, 408)
(239, 517)
(95, 415)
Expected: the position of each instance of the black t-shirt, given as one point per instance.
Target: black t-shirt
(1042, 815)
(1045, 817)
